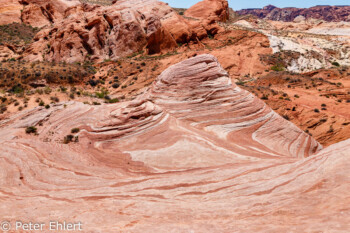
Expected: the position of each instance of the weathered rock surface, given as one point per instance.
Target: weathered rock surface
(37, 13)
(217, 10)
(111, 32)
(10, 11)
(194, 153)
(326, 13)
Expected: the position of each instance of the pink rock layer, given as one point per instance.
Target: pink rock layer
(194, 154)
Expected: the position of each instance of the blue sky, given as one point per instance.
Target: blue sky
(241, 4)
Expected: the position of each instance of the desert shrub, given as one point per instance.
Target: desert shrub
(75, 130)
(277, 67)
(265, 97)
(316, 110)
(335, 64)
(55, 99)
(67, 139)
(331, 129)
(240, 82)
(286, 117)
(3, 108)
(31, 130)
(101, 94)
(93, 83)
(115, 85)
(112, 101)
(63, 89)
(16, 89)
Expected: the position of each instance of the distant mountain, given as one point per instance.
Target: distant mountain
(323, 12)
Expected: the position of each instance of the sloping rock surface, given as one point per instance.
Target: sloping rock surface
(194, 153)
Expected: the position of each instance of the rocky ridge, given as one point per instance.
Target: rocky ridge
(326, 13)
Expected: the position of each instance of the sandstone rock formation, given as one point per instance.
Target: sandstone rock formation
(37, 13)
(326, 13)
(10, 11)
(217, 10)
(111, 32)
(194, 153)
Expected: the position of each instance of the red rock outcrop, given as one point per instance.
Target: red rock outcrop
(217, 10)
(327, 13)
(39, 13)
(110, 32)
(10, 11)
(195, 153)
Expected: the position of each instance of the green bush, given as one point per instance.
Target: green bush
(75, 130)
(67, 139)
(113, 101)
(278, 67)
(31, 129)
(335, 64)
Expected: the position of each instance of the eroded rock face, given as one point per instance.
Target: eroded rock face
(194, 147)
(10, 11)
(217, 10)
(111, 32)
(39, 13)
(326, 13)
